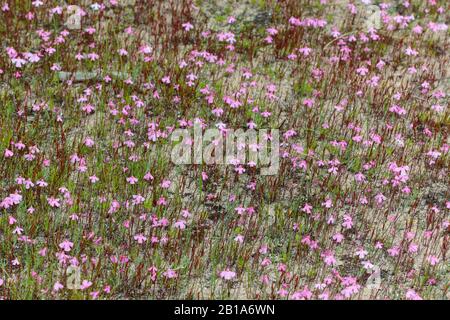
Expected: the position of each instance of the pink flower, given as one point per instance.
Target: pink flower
(282, 292)
(140, 238)
(8, 153)
(329, 258)
(272, 31)
(85, 284)
(89, 142)
(181, 224)
(66, 245)
(327, 204)
(307, 208)
(132, 180)
(361, 253)
(227, 274)
(165, 184)
(57, 286)
(413, 248)
(305, 294)
(170, 274)
(53, 202)
(122, 52)
(394, 251)
(187, 26)
(433, 260)
(165, 80)
(148, 176)
(239, 238)
(412, 295)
